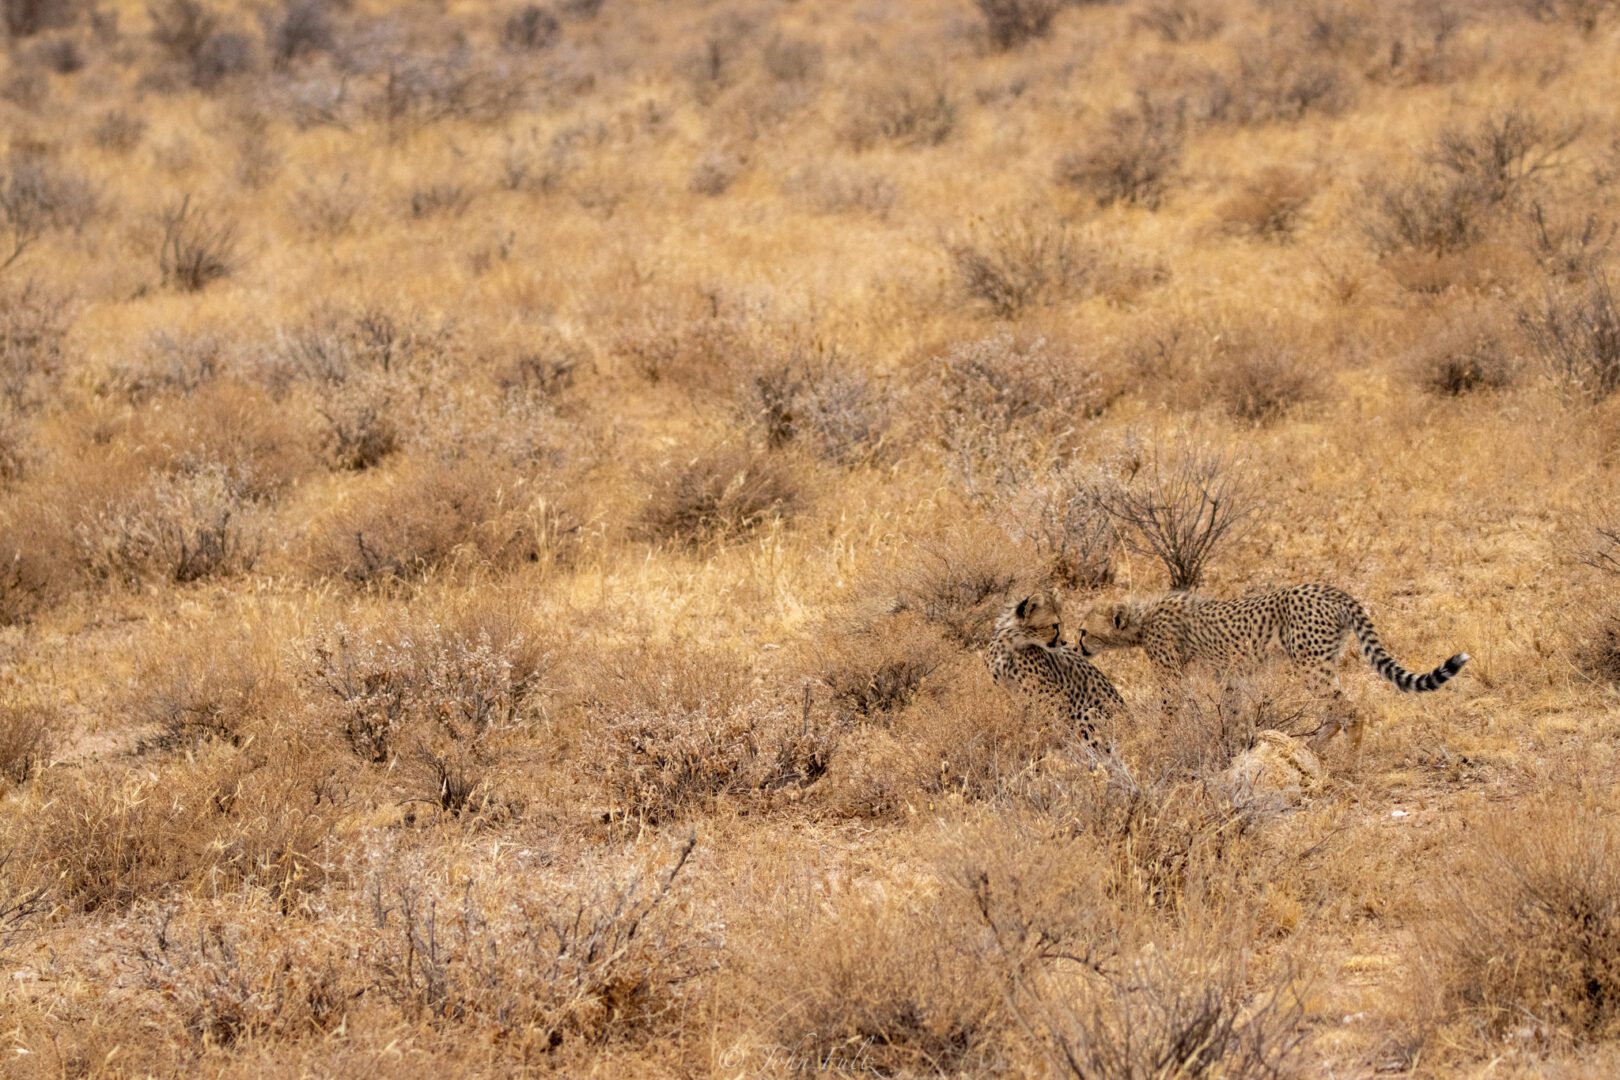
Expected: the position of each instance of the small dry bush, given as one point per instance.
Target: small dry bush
(530, 29)
(25, 18)
(908, 108)
(181, 528)
(542, 968)
(422, 687)
(335, 347)
(33, 327)
(1011, 23)
(1569, 247)
(1466, 351)
(1598, 651)
(1575, 335)
(1278, 81)
(196, 248)
(430, 515)
(239, 429)
(835, 189)
(699, 354)
(1525, 936)
(1260, 377)
(27, 733)
(1180, 509)
(1436, 213)
(672, 734)
(1269, 205)
(872, 669)
(1132, 159)
(958, 582)
(38, 555)
(1013, 263)
(212, 686)
(883, 987)
(722, 493)
(200, 50)
(1066, 520)
(118, 130)
(822, 399)
(1177, 21)
(1502, 154)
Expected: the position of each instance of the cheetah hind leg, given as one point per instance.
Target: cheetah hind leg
(1341, 714)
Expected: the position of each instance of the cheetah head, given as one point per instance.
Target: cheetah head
(1034, 620)
(1110, 626)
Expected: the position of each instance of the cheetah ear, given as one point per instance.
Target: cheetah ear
(1022, 609)
(1120, 613)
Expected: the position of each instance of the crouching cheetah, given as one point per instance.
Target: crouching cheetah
(1027, 653)
(1309, 623)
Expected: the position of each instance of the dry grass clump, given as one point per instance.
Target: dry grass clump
(1010, 23)
(722, 493)
(429, 515)
(1524, 943)
(958, 581)
(1260, 377)
(208, 688)
(874, 669)
(1011, 263)
(1132, 159)
(670, 735)
(837, 189)
(182, 528)
(196, 248)
(1470, 350)
(27, 734)
(820, 398)
(907, 108)
(1270, 204)
(1066, 519)
(33, 325)
(1575, 333)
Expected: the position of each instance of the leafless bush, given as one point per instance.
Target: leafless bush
(182, 529)
(874, 669)
(1572, 249)
(1260, 378)
(1020, 261)
(823, 401)
(429, 516)
(25, 18)
(1527, 930)
(1270, 204)
(580, 9)
(998, 386)
(1011, 23)
(1576, 336)
(300, 28)
(1180, 511)
(719, 494)
(196, 249)
(908, 108)
(832, 190)
(715, 172)
(26, 737)
(33, 326)
(1435, 212)
(118, 130)
(530, 29)
(444, 199)
(1132, 159)
(1279, 81)
(1067, 521)
(1465, 353)
(1177, 21)
(1501, 155)
(542, 971)
(203, 690)
(192, 36)
(958, 583)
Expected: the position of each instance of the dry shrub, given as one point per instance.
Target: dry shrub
(27, 734)
(1585, 15)
(1177, 21)
(1464, 352)
(406, 686)
(822, 399)
(673, 733)
(1503, 153)
(834, 189)
(33, 326)
(446, 199)
(334, 347)
(359, 425)
(1016, 262)
(1571, 248)
(530, 29)
(1270, 204)
(181, 528)
(1575, 334)
(873, 669)
(1011, 23)
(118, 130)
(1525, 936)
(1180, 510)
(213, 686)
(882, 987)
(722, 493)
(543, 968)
(426, 516)
(1132, 159)
(25, 18)
(38, 549)
(1259, 377)
(700, 353)
(957, 582)
(1065, 518)
(196, 249)
(1436, 213)
(908, 108)
(238, 429)
(1277, 81)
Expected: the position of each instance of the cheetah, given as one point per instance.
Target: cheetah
(1309, 622)
(1027, 653)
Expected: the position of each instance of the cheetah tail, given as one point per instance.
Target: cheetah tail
(1404, 681)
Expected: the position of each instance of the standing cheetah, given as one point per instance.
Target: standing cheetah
(1027, 652)
(1309, 622)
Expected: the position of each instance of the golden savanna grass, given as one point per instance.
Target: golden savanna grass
(501, 504)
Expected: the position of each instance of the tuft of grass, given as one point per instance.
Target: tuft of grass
(722, 493)
(196, 249)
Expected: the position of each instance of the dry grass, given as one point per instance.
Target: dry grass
(500, 509)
